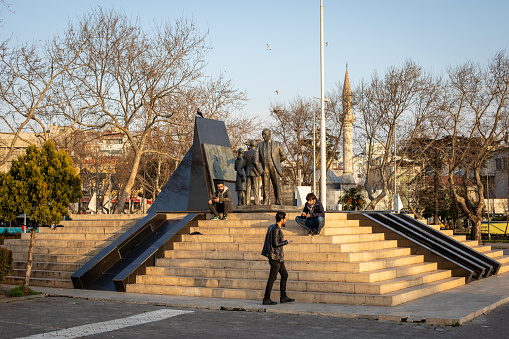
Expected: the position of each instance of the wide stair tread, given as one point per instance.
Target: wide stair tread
(331, 266)
(44, 282)
(292, 256)
(301, 285)
(340, 276)
(389, 299)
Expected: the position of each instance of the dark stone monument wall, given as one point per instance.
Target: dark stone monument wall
(188, 187)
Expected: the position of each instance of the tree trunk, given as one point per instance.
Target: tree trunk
(158, 174)
(30, 261)
(372, 203)
(129, 185)
(435, 214)
(476, 230)
(474, 215)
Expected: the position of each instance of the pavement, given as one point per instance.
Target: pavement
(452, 307)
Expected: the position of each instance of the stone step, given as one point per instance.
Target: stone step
(472, 244)
(308, 286)
(459, 238)
(56, 250)
(322, 239)
(271, 216)
(389, 299)
(48, 266)
(98, 223)
(365, 277)
(55, 283)
(59, 243)
(291, 256)
(73, 236)
(309, 248)
(55, 258)
(480, 248)
(494, 254)
(261, 264)
(84, 230)
(265, 223)
(42, 274)
(504, 259)
(288, 232)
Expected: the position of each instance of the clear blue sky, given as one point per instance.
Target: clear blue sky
(369, 35)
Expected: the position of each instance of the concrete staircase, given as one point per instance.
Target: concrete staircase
(487, 250)
(59, 252)
(351, 262)
(347, 264)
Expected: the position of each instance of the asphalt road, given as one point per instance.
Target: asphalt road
(33, 316)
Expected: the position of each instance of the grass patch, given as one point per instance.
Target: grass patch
(18, 292)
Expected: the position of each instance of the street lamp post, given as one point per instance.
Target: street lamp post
(323, 179)
(314, 142)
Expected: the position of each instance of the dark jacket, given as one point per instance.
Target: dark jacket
(225, 197)
(274, 242)
(315, 211)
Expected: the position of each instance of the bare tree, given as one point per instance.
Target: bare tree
(128, 73)
(474, 119)
(31, 78)
(293, 124)
(396, 105)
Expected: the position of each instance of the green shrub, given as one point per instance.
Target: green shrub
(5, 263)
(18, 292)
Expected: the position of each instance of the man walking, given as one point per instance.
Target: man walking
(273, 249)
(221, 201)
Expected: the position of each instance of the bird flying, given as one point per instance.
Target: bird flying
(268, 47)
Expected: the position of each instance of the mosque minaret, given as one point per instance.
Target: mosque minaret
(348, 120)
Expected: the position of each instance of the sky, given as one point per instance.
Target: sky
(369, 35)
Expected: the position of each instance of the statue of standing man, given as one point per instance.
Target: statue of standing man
(253, 172)
(240, 182)
(271, 155)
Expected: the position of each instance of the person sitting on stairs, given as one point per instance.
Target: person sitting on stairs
(312, 218)
(221, 201)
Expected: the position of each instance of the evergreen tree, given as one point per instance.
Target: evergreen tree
(41, 183)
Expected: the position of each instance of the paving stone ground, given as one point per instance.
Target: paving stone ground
(35, 315)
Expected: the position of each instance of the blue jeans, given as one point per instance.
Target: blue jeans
(311, 224)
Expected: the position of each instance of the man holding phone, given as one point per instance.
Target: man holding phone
(221, 201)
(273, 249)
(312, 218)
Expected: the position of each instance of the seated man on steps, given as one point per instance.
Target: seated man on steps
(312, 218)
(221, 201)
